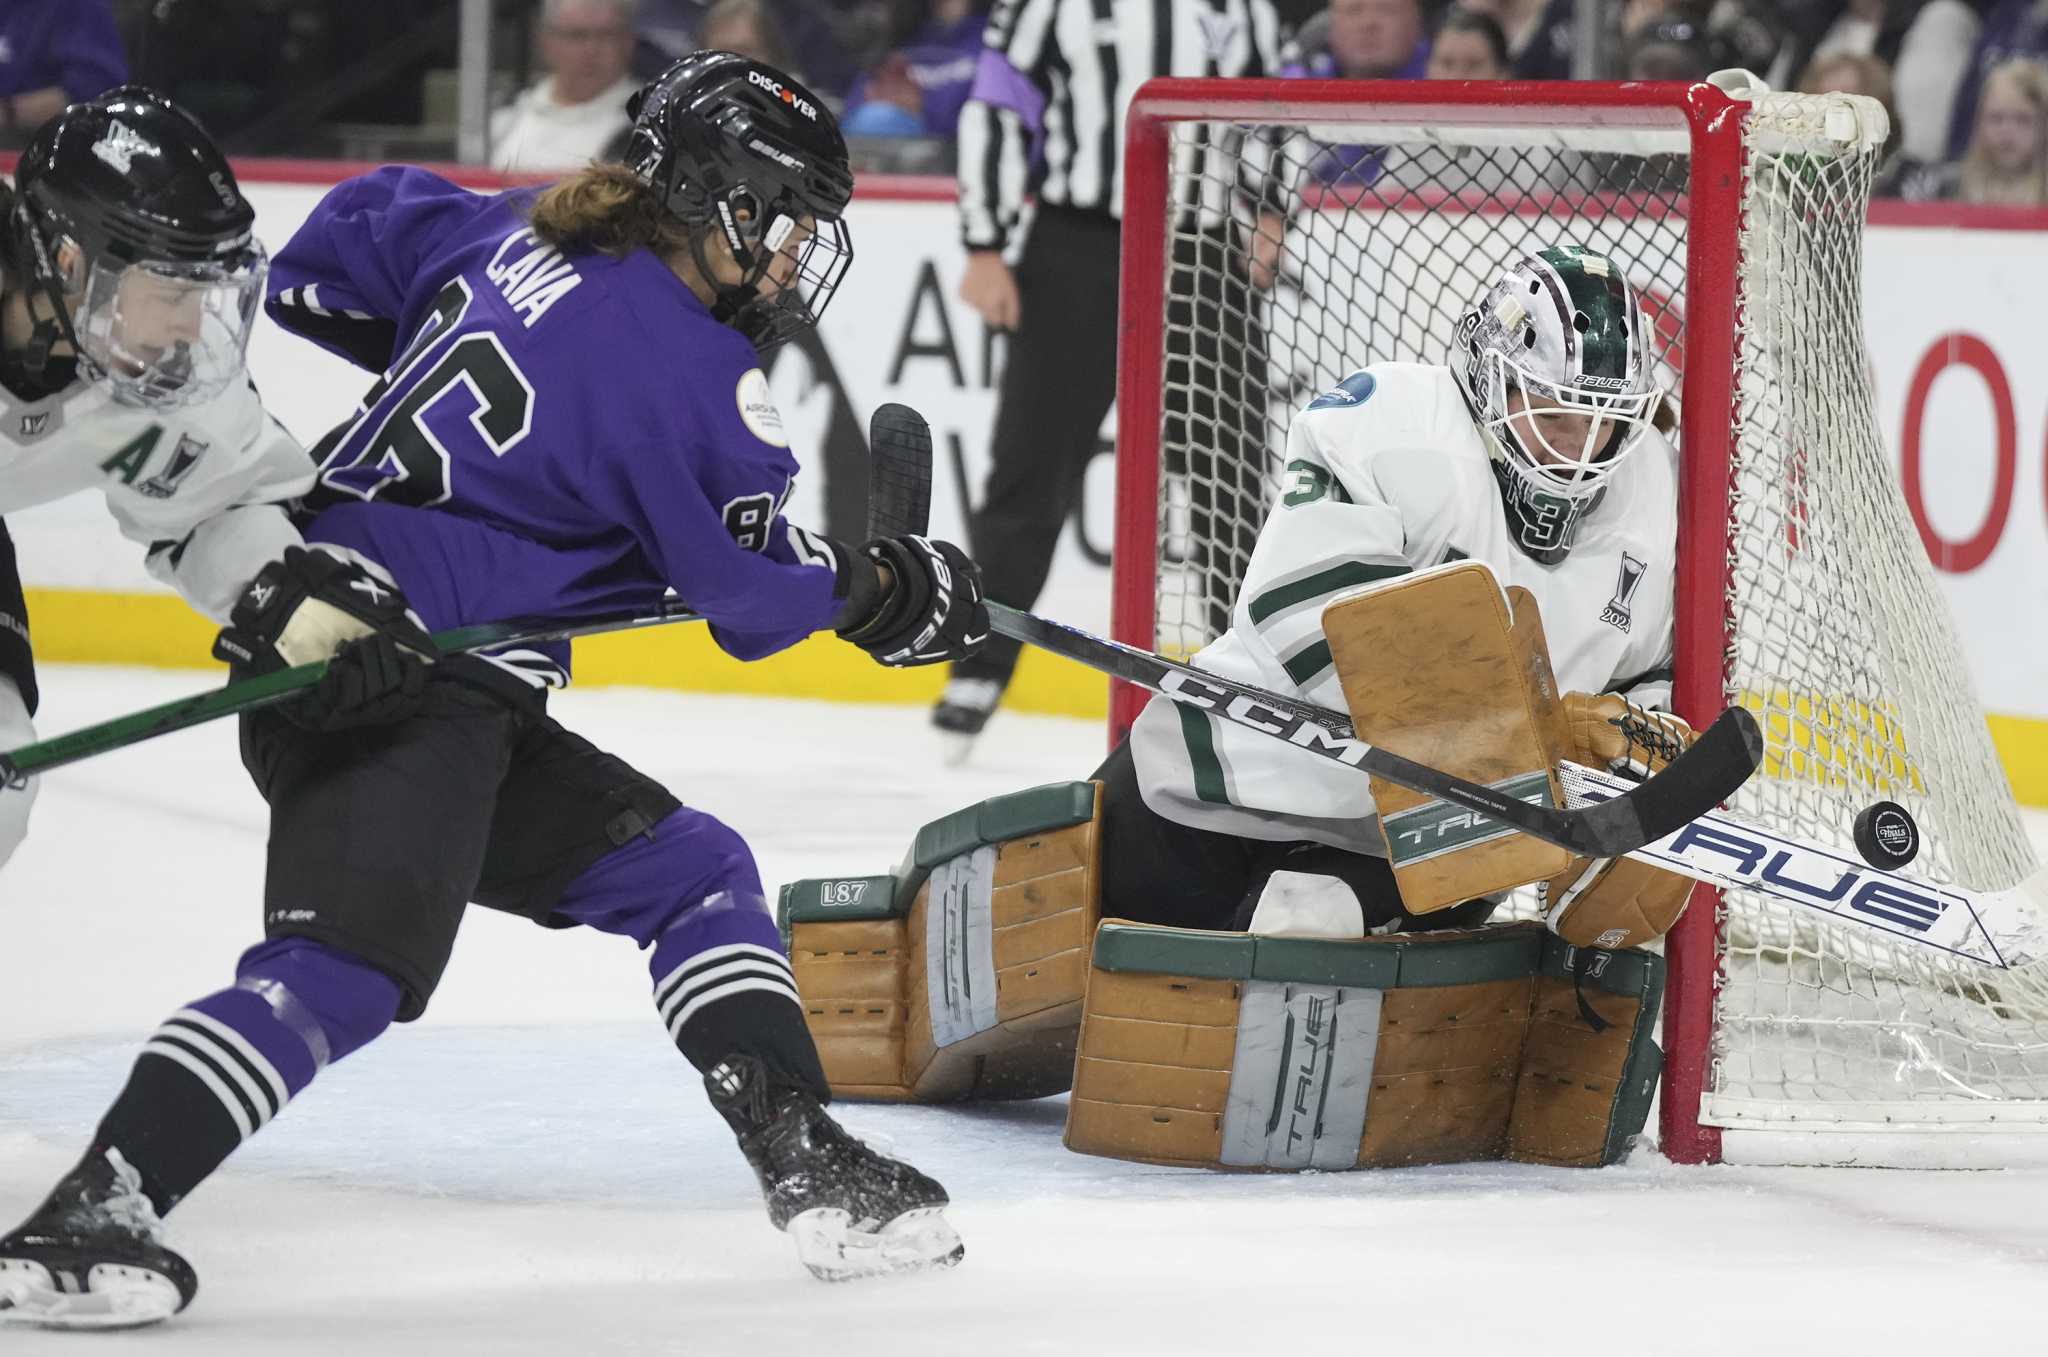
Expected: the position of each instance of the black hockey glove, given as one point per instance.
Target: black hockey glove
(313, 606)
(933, 610)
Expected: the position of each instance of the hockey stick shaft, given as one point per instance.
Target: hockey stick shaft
(1996, 928)
(1718, 762)
(899, 503)
(266, 690)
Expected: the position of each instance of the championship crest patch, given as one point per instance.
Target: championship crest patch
(183, 458)
(1616, 613)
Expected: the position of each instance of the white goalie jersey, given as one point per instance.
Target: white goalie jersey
(197, 487)
(1385, 474)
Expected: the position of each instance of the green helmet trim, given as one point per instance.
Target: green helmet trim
(1559, 334)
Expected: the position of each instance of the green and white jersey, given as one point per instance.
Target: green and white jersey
(197, 487)
(1386, 474)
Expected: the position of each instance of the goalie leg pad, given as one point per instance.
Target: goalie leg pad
(961, 975)
(1442, 667)
(1257, 1052)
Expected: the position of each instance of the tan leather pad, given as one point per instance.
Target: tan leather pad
(1153, 1070)
(1180, 1069)
(1435, 668)
(1569, 1078)
(865, 985)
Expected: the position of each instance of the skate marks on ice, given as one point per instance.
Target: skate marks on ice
(565, 1189)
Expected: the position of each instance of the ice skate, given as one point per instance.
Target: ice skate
(852, 1212)
(92, 1257)
(962, 710)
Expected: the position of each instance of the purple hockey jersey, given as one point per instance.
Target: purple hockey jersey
(554, 436)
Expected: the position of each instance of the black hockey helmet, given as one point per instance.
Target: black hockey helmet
(733, 145)
(162, 293)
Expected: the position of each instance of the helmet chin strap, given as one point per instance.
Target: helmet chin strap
(46, 332)
(740, 304)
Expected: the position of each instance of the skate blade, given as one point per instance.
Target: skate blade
(955, 747)
(835, 1250)
(116, 1296)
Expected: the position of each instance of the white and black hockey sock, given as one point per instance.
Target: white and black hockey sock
(722, 985)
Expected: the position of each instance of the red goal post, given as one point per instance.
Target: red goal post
(1740, 218)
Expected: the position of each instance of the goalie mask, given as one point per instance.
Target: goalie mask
(745, 154)
(128, 221)
(1554, 363)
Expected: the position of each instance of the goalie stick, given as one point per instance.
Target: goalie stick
(2002, 928)
(899, 500)
(1995, 928)
(1720, 760)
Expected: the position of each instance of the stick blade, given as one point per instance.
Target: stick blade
(1697, 781)
(899, 472)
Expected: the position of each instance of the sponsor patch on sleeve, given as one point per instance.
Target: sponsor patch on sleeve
(1353, 390)
(757, 409)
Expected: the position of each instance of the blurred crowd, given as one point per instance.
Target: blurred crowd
(1965, 81)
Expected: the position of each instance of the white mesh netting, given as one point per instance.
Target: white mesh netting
(1378, 236)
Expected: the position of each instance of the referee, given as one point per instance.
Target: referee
(1055, 79)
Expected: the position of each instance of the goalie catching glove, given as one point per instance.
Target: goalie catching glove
(1617, 902)
(932, 611)
(315, 606)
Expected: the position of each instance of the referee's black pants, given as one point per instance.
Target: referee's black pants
(1058, 383)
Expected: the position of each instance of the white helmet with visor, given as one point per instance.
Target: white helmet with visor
(1555, 364)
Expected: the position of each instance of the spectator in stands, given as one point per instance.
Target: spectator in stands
(53, 53)
(1361, 40)
(2007, 160)
(1539, 35)
(746, 27)
(570, 116)
(832, 42)
(918, 89)
(670, 26)
(1677, 46)
(1928, 73)
(2012, 28)
(1468, 45)
(1357, 40)
(1846, 72)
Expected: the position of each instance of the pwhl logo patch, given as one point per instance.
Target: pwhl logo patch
(120, 144)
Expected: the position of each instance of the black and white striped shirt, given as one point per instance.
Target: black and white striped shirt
(1066, 70)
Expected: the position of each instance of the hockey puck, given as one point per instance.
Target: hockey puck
(1887, 836)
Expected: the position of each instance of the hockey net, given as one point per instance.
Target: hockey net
(1804, 592)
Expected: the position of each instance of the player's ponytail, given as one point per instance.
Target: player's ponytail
(607, 209)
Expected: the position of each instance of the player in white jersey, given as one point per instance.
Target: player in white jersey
(1540, 454)
(129, 282)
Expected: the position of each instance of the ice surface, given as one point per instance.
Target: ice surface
(531, 1168)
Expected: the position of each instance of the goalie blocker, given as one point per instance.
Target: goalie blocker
(1444, 667)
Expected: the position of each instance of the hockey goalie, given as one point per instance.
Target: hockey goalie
(1239, 954)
